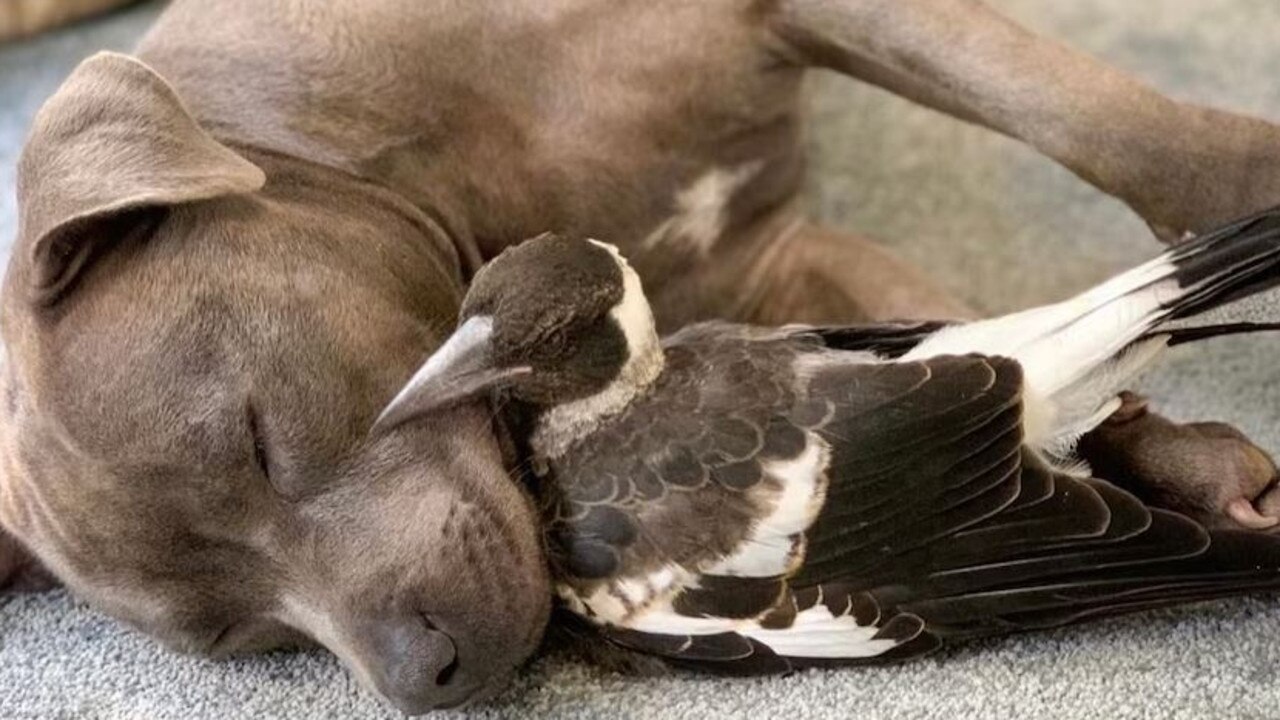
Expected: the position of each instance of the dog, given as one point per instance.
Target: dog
(237, 245)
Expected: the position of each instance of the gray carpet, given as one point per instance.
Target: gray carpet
(1001, 226)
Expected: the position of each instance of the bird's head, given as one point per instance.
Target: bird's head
(551, 321)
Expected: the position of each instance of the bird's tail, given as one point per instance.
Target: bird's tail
(1077, 354)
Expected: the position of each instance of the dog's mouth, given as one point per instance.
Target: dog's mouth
(219, 645)
(253, 635)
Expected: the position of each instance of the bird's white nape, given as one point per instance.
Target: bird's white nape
(564, 424)
(633, 314)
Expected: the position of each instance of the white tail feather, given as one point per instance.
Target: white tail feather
(1075, 355)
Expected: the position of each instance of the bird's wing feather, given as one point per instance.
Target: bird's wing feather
(888, 340)
(918, 452)
(935, 521)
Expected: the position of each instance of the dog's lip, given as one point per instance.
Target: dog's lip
(466, 697)
(216, 644)
(477, 692)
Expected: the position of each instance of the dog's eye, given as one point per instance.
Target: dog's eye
(260, 456)
(283, 481)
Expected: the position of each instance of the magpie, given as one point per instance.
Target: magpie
(758, 499)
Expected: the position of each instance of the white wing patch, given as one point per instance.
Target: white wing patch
(775, 545)
(816, 633)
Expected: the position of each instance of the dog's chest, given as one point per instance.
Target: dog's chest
(644, 123)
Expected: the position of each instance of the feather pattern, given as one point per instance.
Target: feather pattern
(810, 496)
(1077, 354)
(775, 501)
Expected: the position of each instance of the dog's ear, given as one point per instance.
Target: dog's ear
(113, 142)
(20, 571)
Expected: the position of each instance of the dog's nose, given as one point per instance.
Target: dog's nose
(414, 665)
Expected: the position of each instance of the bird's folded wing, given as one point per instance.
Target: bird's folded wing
(918, 452)
(938, 524)
(888, 339)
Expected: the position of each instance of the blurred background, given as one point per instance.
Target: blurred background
(999, 225)
(26, 18)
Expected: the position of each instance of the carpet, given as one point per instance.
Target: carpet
(997, 223)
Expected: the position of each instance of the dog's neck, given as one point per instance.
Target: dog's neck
(405, 252)
(432, 235)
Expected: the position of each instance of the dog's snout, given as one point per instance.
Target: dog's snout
(416, 665)
(422, 656)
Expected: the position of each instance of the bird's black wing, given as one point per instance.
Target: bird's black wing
(887, 340)
(936, 523)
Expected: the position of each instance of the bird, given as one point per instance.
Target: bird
(746, 499)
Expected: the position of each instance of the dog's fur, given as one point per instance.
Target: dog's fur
(235, 248)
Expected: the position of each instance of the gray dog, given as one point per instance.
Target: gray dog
(236, 248)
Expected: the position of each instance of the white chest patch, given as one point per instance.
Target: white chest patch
(702, 209)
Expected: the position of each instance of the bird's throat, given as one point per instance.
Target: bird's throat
(560, 427)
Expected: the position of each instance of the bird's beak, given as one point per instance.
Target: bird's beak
(460, 370)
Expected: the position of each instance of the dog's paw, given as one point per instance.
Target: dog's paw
(1208, 471)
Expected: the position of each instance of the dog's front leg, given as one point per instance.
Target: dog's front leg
(1181, 167)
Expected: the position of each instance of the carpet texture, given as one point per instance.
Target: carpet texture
(1001, 226)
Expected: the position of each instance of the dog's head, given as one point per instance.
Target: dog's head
(195, 356)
